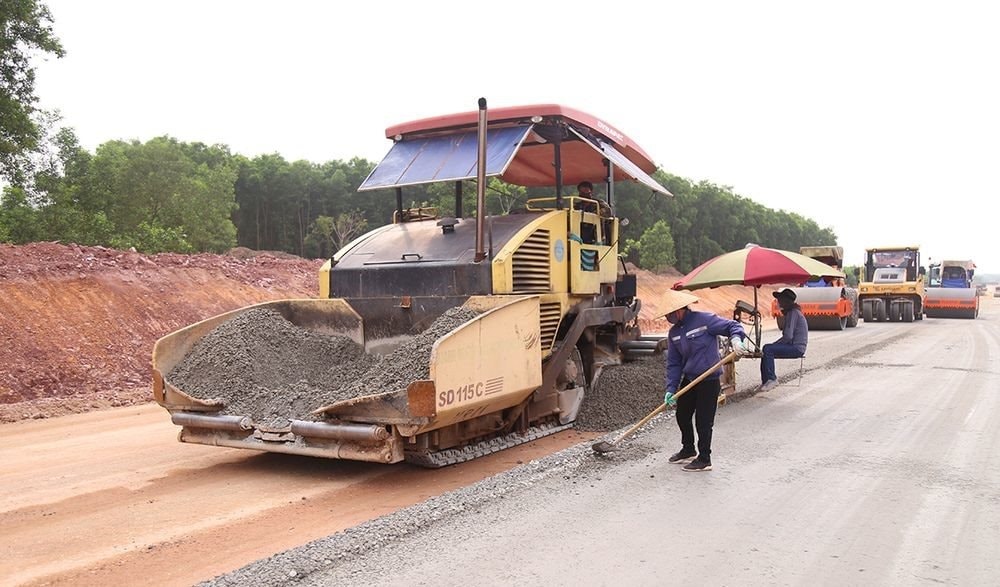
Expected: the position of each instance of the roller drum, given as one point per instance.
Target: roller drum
(962, 313)
(825, 308)
(826, 322)
(952, 303)
(809, 295)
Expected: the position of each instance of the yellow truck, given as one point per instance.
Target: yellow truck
(538, 301)
(892, 287)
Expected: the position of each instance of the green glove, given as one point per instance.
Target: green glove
(669, 398)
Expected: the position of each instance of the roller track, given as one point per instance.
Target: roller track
(451, 456)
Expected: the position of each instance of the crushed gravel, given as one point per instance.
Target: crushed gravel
(623, 395)
(411, 361)
(261, 365)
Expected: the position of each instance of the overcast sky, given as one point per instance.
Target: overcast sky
(880, 120)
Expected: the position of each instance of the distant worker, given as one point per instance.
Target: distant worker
(585, 189)
(793, 341)
(693, 348)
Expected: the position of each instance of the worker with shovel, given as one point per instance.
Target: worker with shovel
(693, 349)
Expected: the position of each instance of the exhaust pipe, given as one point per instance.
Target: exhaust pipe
(481, 184)
(341, 432)
(189, 420)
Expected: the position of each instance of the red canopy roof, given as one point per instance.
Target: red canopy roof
(531, 164)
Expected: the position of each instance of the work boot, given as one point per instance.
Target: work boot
(698, 465)
(684, 456)
(769, 385)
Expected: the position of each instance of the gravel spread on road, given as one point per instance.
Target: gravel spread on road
(347, 553)
(261, 365)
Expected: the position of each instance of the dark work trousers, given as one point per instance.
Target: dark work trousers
(700, 402)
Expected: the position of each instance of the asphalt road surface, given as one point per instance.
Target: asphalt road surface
(881, 467)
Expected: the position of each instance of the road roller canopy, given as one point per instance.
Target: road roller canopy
(829, 254)
(965, 264)
(522, 143)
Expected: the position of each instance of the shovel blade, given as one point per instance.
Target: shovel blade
(604, 447)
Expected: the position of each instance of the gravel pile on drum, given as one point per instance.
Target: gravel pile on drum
(623, 395)
(261, 365)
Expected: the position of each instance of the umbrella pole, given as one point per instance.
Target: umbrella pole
(756, 323)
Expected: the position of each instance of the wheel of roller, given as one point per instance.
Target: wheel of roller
(852, 320)
(895, 311)
(883, 312)
(867, 313)
(908, 313)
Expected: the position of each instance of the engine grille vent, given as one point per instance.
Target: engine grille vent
(531, 264)
(550, 312)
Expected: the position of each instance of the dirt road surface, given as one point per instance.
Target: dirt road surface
(111, 498)
(881, 468)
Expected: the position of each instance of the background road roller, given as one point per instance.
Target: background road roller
(950, 292)
(538, 302)
(892, 287)
(827, 303)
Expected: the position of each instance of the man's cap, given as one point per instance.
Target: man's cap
(785, 293)
(674, 300)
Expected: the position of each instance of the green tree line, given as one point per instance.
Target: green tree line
(705, 220)
(168, 195)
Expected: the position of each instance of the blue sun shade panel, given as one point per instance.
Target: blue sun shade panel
(444, 158)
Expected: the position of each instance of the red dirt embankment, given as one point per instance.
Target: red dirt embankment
(78, 324)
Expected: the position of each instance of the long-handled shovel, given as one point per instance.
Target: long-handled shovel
(604, 446)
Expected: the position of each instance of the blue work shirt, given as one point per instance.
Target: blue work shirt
(692, 347)
(796, 330)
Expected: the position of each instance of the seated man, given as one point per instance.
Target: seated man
(585, 189)
(791, 345)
